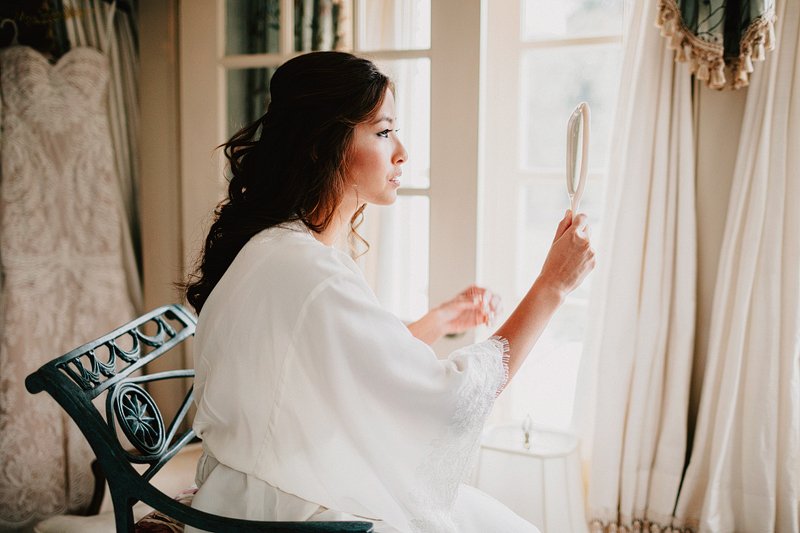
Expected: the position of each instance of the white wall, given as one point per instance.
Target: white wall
(718, 125)
(160, 189)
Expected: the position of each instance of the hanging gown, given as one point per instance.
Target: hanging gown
(63, 281)
(315, 403)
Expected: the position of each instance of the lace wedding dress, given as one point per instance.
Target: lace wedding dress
(63, 281)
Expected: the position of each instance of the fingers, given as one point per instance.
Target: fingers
(477, 300)
(580, 222)
(571, 256)
(464, 304)
(580, 229)
(563, 225)
(477, 294)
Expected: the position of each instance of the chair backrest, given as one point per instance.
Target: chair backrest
(132, 429)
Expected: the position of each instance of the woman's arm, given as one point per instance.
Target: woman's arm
(569, 261)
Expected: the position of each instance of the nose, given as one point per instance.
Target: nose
(400, 154)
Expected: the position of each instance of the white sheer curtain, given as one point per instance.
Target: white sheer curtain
(637, 366)
(744, 472)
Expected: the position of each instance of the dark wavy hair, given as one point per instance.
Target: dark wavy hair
(291, 163)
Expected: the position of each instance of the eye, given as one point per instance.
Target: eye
(385, 133)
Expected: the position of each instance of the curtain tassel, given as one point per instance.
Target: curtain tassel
(759, 38)
(718, 76)
(668, 27)
(770, 37)
(748, 64)
(760, 53)
(676, 41)
(596, 526)
(702, 71)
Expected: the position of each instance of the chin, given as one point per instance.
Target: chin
(386, 199)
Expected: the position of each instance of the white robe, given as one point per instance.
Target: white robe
(315, 403)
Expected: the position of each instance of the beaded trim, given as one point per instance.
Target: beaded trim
(707, 59)
(506, 350)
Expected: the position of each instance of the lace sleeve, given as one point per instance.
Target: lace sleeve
(486, 365)
(504, 347)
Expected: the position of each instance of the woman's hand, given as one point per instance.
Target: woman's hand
(471, 307)
(571, 257)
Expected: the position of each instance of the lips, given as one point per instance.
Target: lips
(396, 179)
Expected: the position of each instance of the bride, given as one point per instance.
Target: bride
(313, 402)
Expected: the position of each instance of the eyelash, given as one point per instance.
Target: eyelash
(385, 133)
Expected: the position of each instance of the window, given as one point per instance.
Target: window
(396, 35)
(562, 52)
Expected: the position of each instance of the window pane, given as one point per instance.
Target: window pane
(412, 80)
(548, 19)
(248, 96)
(396, 264)
(395, 24)
(554, 81)
(323, 25)
(252, 26)
(544, 387)
(551, 370)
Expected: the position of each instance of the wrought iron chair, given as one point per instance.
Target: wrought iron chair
(107, 366)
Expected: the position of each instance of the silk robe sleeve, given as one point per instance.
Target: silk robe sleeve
(367, 419)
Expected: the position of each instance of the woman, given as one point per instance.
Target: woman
(313, 402)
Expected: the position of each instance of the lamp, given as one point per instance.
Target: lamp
(536, 473)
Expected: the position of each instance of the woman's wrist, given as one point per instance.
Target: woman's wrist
(429, 328)
(545, 287)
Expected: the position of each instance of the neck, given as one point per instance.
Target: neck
(331, 234)
(339, 225)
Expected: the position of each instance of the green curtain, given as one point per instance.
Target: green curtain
(719, 38)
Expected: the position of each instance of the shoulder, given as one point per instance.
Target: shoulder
(291, 252)
(281, 264)
(276, 276)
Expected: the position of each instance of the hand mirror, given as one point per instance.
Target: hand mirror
(577, 154)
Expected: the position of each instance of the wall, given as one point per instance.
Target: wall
(718, 125)
(160, 190)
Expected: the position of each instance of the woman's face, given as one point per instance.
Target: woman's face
(376, 158)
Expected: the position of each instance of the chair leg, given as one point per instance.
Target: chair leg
(123, 514)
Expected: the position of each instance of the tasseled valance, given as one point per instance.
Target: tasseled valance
(720, 38)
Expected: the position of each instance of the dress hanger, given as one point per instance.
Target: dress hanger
(14, 41)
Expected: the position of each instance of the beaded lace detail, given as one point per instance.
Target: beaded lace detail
(506, 350)
(63, 280)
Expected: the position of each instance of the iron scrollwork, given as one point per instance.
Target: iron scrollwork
(139, 418)
(87, 369)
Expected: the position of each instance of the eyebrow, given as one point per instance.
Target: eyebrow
(388, 119)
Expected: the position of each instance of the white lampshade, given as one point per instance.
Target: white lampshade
(541, 482)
